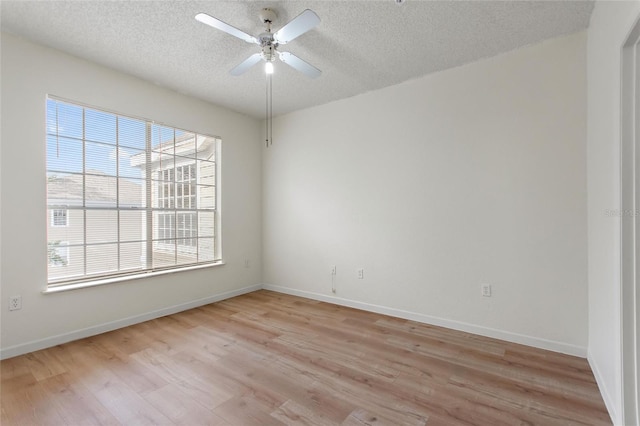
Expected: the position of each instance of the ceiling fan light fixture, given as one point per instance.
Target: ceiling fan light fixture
(268, 67)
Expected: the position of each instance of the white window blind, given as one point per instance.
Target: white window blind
(126, 195)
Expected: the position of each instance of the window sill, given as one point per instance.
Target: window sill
(112, 280)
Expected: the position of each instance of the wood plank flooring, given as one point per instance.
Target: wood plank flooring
(270, 359)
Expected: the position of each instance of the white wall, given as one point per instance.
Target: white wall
(610, 25)
(434, 186)
(29, 73)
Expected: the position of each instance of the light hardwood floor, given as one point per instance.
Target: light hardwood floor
(267, 358)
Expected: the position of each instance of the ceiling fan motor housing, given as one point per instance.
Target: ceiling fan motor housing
(269, 52)
(269, 46)
(266, 39)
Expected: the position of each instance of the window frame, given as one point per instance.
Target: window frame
(211, 237)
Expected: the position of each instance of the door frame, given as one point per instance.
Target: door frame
(630, 226)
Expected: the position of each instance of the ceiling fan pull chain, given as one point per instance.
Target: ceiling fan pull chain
(266, 121)
(270, 110)
(269, 118)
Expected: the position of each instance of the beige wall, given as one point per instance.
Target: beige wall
(29, 73)
(437, 185)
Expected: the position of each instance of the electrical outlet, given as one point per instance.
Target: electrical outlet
(361, 274)
(15, 303)
(486, 290)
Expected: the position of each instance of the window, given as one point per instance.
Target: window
(126, 195)
(59, 218)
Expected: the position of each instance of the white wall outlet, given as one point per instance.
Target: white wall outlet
(15, 303)
(486, 290)
(334, 270)
(361, 274)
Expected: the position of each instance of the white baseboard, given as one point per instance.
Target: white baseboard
(48, 342)
(427, 319)
(604, 391)
(536, 342)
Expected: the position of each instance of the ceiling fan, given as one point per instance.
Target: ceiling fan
(269, 42)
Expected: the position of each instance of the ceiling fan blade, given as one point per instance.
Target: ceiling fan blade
(223, 26)
(297, 26)
(246, 64)
(304, 67)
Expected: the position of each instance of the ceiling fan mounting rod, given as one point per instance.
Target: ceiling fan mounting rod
(267, 39)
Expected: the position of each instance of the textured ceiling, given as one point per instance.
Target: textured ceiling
(359, 45)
